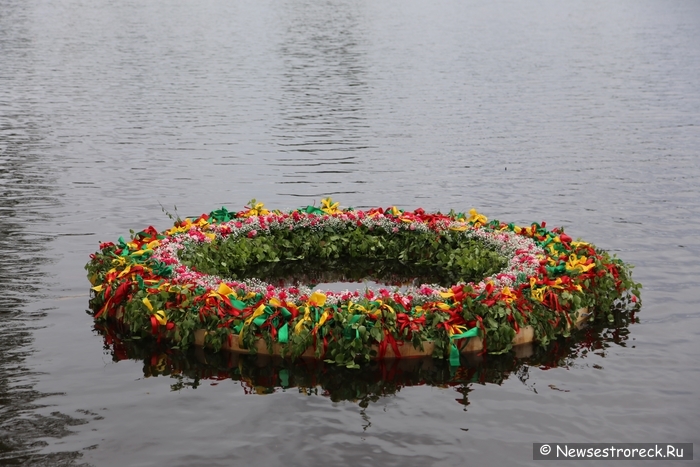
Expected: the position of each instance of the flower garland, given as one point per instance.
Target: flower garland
(157, 285)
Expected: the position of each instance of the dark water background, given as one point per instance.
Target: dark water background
(585, 114)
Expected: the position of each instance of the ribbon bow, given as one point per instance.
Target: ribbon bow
(328, 206)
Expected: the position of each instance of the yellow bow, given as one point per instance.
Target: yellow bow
(328, 206)
(476, 218)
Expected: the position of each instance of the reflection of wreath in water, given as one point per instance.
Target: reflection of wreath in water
(501, 284)
(262, 375)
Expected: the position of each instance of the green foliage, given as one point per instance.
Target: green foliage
(444, 259)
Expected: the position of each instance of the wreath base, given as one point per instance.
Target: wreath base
(526, 335)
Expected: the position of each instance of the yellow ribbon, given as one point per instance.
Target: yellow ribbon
(328, 206)
(225, 290)
(455, 329)
(324, 317)
(578, 244)
(537, 293)
(259, 311)
(300, 325)
(352, 306)
(508, 295)
(476, 218)
(317, 299)
(256, 209)
(161, 317)
(578, 264)
(185, 226)
(141, 252)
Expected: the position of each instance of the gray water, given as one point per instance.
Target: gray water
(584, 114)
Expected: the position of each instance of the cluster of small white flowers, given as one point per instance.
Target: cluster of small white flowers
(521, 253)
(255, 225)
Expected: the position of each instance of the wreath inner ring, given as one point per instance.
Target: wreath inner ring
(347, 253)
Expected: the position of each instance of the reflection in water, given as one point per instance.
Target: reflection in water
(265, 375)
(323, 84)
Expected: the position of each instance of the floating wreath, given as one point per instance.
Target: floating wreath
(485, 279)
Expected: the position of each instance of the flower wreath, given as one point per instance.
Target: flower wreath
(166, 284)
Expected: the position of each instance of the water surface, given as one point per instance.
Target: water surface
(583, 114)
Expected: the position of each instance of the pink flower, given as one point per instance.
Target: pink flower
(252, 233)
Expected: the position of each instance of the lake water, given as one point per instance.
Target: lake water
(584, 114)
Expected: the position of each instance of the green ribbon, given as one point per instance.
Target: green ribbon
(556, 270)
(313, 210)
(454, 351)
(262, 318)
(221, 215)
(162, 269)
(283, 334)
(348, 332)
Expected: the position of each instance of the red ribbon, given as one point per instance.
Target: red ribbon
(154, 325)
(388, 340)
